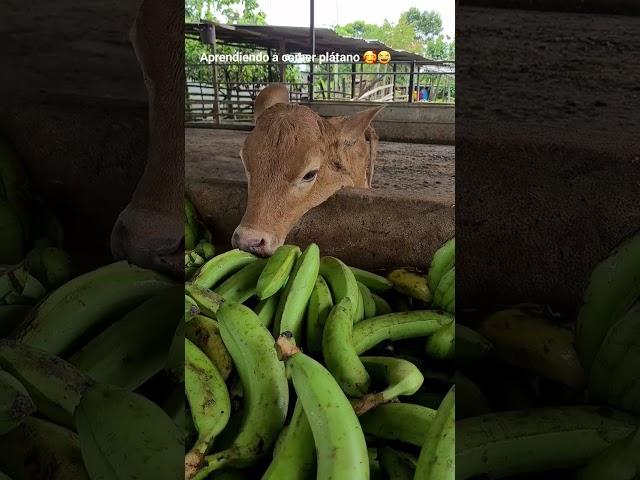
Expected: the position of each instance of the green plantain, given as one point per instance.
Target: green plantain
(444, 296)
(340, 443)
(552, 438)
(411, 284)
(622, 337)
(54, 385)
(295, 456)
(209, 404)
(375, 283)
(264, 385)
(394, 376)
(294, 299)
(320, 305)
(441, 263)
(341, 281)
(241, 286)
(404, 422)
(86, 304)
(134, 348)
(220, 266)
(397, 326)
(613, 287)
(339, 354)
(441, 344)
(38, 449)
(437, 456)
(276, 272)
(15, 403)
(205, 334)
(125, 435)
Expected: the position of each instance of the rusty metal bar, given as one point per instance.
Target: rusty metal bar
(393, 91)
(353, 80)
(216, 105)
(411, 72)
(282, 49)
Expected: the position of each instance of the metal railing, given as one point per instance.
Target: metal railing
(223, 94)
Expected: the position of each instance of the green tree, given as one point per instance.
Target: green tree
(416, 31)
(427, 24)
(228, 11)
(224, 11)
(360, 29)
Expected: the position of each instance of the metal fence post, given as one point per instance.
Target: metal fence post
(216, 102)
(411, 72)
(282, 49)
(310, 81)
(393, 91)
(312, 35)
(353, 80)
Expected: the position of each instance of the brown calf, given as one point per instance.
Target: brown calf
(295, 160)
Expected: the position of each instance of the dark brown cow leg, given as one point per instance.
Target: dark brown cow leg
(149, 231)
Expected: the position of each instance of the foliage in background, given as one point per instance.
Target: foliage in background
(416, 31)
(241, 12)
(232, 11)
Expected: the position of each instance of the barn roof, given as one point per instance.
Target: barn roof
(297, 40)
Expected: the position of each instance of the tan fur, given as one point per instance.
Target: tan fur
(287, 142)
(269, 96)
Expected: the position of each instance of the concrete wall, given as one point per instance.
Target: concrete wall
(547, 174)
(85, 158)
(415, 123)
(365, 228)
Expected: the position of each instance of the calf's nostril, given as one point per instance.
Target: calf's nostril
(255, 242)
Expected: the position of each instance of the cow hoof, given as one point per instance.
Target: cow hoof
(150, 240)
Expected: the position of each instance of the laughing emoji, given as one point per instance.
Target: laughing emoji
(384, 57)
(369, 57)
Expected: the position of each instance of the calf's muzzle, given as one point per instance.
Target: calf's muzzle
(257, 242)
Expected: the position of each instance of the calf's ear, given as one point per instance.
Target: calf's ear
(353, 127)
(268, 97)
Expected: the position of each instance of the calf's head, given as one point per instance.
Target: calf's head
(294, 160)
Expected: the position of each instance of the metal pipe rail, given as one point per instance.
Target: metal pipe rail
(229, 99)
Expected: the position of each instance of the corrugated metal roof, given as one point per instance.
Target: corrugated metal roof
(297, 40)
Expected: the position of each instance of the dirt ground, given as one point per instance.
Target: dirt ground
(415, 170)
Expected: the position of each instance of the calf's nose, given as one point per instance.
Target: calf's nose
(259, 243)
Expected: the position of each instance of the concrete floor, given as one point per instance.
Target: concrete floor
(413, 170)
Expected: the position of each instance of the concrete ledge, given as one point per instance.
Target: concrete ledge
(416, 123)
(539, 241)
(364, 228)
(619, 7)
(85, 156)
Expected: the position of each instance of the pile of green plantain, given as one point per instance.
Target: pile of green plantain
(31, 259)
(553, 393)
(299, 366)
(197, 240)
(87, 377)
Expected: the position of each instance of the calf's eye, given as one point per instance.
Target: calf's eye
(310, 175)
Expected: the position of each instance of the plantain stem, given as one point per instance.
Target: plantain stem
(213, 462)
(286, 348)
(368, 402)
(193, 462)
